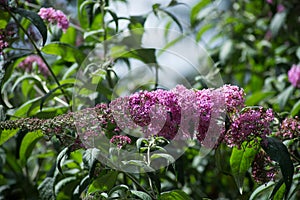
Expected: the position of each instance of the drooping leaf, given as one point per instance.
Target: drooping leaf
(196, 9)
(28, 144)
(240, 162)
(35, 19)
(279, 153)
(67, 52)
(141, 195)
(59, 186)
(277, 22)
(103, 183)
(145, 55)
(90, 158)
(61, 157)
(284, 96)
(174, 195)
(174, 18)
(51, 93)
(115, 19)
(296, 109)
(258, 96)
(225, 51)
(6, 135)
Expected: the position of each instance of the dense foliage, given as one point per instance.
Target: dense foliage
(89, 109)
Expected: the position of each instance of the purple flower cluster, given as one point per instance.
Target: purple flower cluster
(120, 140)
(294, 75)
(55, 17)
(28, 63)
(234, 98)
(263, 170)
(250, 125)
(290, 128)
(156, 112)
(3, 43)
(4, 36)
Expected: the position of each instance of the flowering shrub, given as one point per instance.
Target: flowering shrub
(91, 112)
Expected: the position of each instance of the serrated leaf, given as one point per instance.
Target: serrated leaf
(240, 162)
(141, 195)
(35, 19)
(67, 52)
(174, 195)
(7, 134)
(61, 157)
(46, 189)
(103, 183)
(279, 153)
(28, 144)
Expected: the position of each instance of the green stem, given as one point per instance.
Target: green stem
(38, 51)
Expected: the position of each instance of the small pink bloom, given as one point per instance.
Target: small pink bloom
(269, 1)
(280, 8)
(54, 17)
(28, 62)
(294, 75)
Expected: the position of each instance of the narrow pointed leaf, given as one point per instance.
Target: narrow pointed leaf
(35, 19)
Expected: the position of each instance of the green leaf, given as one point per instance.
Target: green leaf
(51, 93)
(202, 30)
(279, 153)
(168, 157)
(35, 19)
(240, 162)
(103, 183)
(141, 195)
(277, 22)
(46, 189)
(174, 195)
(67, 52)
(4, 17)
(284, 96)
(90, 158)
(69, 37)
(144, 55)
(258, 96)
(115, 18)
(174, 18)
(225, 51)
(59, 186)
(262, 190)
(298, 53)
(61, 157)
(28, 144)
(35, 78)
(296, 109)
(196, 9)
(7, 134)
